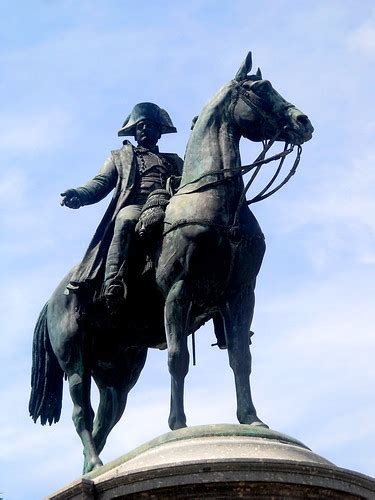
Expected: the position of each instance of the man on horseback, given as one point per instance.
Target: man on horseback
(134, 173)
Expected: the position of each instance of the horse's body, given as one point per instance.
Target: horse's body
(207, 268)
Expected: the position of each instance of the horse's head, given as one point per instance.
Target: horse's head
(261, 113)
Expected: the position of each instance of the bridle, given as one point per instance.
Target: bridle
(256, 104)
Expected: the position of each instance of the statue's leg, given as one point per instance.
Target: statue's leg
(111, 407)
(115, 269)
(237, 314)
(114, 387)
(83, 415)
(177, 307)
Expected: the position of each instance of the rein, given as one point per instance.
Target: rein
(235, 170)
(263, 194)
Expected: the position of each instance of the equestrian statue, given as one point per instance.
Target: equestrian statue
(176, 248)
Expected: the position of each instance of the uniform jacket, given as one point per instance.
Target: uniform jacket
(119, 173)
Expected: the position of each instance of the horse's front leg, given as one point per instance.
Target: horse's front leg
(237, 315)
(177, 307)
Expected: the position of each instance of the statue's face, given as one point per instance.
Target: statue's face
(147, 133)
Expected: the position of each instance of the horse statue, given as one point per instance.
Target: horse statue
(213, 247)
(206, 266)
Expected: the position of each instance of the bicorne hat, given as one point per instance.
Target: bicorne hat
(147, 111)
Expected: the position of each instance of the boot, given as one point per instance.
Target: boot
(115, 291)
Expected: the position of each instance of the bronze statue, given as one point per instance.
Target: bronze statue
(205, 266)
(134, 172)
(213, 247)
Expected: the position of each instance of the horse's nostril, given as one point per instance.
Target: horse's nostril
(303, 119)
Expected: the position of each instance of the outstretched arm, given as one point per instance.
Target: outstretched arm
(94, 190)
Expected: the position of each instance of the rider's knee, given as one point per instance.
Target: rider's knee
(126, 219)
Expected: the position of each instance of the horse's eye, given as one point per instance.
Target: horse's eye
(246, 86)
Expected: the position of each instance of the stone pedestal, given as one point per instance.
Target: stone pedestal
(220, 461)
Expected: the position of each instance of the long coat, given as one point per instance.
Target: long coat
(118, 172)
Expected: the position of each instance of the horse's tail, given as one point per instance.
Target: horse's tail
(46, 376)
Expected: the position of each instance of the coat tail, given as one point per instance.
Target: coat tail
(46, 376)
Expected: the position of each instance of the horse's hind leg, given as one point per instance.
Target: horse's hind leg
(237, 315)
(114, 390)
(177, 308)
(111, 407)
(83, 415)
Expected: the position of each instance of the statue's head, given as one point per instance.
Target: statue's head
(146, 123)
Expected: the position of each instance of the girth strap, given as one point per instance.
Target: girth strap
(233, 232)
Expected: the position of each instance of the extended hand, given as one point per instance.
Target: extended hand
(71, 199)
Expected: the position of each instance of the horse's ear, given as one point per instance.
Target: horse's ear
(259, 74)
(245, 68)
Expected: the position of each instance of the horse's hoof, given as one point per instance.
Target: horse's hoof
(89, 467)
(254, 421)
(259, 423)
(178, 426)
(175, 424)
(98, 465)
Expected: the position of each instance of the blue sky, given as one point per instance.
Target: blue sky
(69, 74)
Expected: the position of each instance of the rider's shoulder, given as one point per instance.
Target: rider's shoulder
(127, 146)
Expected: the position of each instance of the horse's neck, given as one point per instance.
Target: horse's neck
(213, 143)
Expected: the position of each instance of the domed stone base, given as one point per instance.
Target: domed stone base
(221, 461)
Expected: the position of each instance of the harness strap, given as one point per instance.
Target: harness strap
(231, 230)
(194, 222)
(235, 170)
